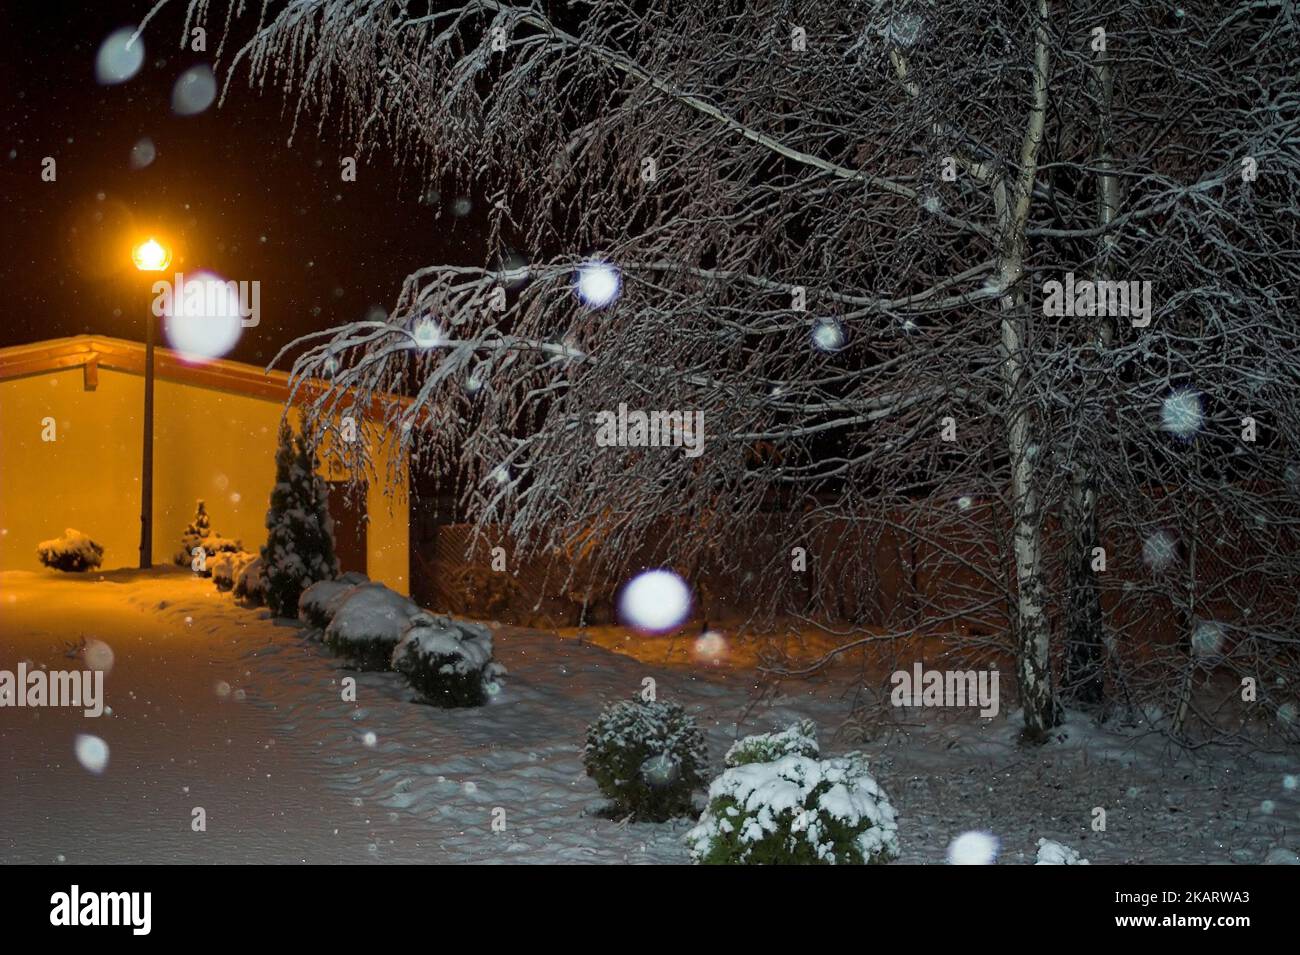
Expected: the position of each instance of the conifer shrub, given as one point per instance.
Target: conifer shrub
(647, 757)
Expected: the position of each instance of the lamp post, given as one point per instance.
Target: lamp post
(149, 256)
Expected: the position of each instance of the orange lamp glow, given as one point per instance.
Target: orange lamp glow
(151, 256)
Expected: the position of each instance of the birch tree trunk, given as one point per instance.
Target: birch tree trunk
(1032, 627)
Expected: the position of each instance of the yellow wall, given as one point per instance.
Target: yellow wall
(208, 444)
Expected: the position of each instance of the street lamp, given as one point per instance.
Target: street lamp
(149, 256)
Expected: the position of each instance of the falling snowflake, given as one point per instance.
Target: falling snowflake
(1159, 549)
(98, 655)
(194, 91)
(655, 601)
(827, 335)
(973, 848)
(120, 57)
(205, 318)
(92, 753)
(598, 284)
(902, 29)
(143, 153)
(710, 646)
(1207, 638)
(514, 270)
(427, 334)
(1181, 414)
(661, 770)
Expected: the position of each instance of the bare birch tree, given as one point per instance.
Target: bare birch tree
(831, 225)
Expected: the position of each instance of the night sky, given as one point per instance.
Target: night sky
(226, 186)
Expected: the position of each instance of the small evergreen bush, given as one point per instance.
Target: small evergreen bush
(74, 552)
(647, 757)
(225, 567)
(447, 662)
(299, 547)
(199, 534)
(320, 601)
(367, 625)
(795, 809)
(250, 582)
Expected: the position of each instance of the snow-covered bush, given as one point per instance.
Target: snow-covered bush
(1054, 853)
(299, 547)
(318, 603)
(647, 757)
(74, 551)
(368, 623)
(250, 582)
(795, 809)
(800, 739)
(199, 534)
(447, 662)
(226, 566)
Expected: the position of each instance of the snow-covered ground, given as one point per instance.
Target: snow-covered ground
(217, 706)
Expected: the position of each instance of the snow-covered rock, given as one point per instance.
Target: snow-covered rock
(74, 552)
(1054, 853)
(796, 809)
(448, 662)
(367, 624)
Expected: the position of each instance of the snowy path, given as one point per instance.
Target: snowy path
(175, 744)
(214, 705)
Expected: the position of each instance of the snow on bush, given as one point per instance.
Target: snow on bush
(646, 757)
(299, 547)
(318, 603)
(74, 552)
(1053, 853)
(800, 739)
(447, 662)
(226, 566)
(368, 623)
(795, 809)
(250, 582)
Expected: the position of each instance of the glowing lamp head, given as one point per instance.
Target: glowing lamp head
(151, 256)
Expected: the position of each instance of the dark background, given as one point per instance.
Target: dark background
(227, 186)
